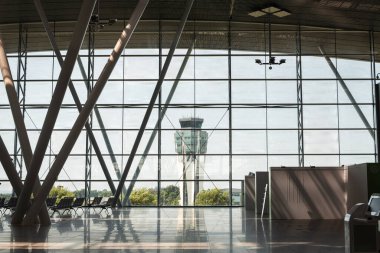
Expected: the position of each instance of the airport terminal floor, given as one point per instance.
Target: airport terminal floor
(174, 230)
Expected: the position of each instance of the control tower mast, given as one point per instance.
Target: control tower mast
(191, 145)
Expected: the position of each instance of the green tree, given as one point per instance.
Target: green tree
(79, 193)
(104, 193)
(170, 196)
(212, 197)
(60, 192)
(143, 197)
(94, 193)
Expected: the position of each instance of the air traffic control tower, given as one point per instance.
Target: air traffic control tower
(191, 145)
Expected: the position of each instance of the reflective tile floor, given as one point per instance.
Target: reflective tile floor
(173, 230)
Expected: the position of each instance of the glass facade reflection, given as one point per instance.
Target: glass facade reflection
(296, 114)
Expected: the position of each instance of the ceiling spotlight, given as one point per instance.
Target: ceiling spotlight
(112, 21)
(270, 10)
(96, 24)
(94, 19)
(272, 61)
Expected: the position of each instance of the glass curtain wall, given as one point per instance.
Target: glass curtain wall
(227, 115)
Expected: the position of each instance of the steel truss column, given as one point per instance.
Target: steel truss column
(348, 93)
(301, 153)
(89, 85)
(157, 126)
(230, 109)
(21, 85)
(156, 91)
(159, 113)
(376, 96)
(377, 111)
(74, 93)
(52, 114)
(19, 122)
(85, 113)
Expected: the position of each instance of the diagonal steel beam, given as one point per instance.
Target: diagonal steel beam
(158, 123)
(102, 128)
(74, 93)
(348, 93)
(19, 122)
(9, 168)
(55, 105)
(377, 113)
(156, 91)
(84, 114)
(232, 6)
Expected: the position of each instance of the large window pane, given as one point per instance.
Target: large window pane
(320, 116)
(242, 165)
(321, 142)
(357, 141)
(249, 142)
(244, 92)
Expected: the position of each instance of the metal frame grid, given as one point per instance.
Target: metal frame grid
(230, 106)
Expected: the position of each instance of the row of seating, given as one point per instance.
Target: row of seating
(66, 204)
(7, 206)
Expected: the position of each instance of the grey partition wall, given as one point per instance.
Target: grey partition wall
(308, 192)
(250, 194)
(363, 180)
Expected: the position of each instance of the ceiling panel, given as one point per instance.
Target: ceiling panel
(208, 23)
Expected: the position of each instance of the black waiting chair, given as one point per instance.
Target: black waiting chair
(106, 205)
(77, 204)
(2, 204)
(50, 202)
(64, 204)
(94, 203)
(10, 205)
